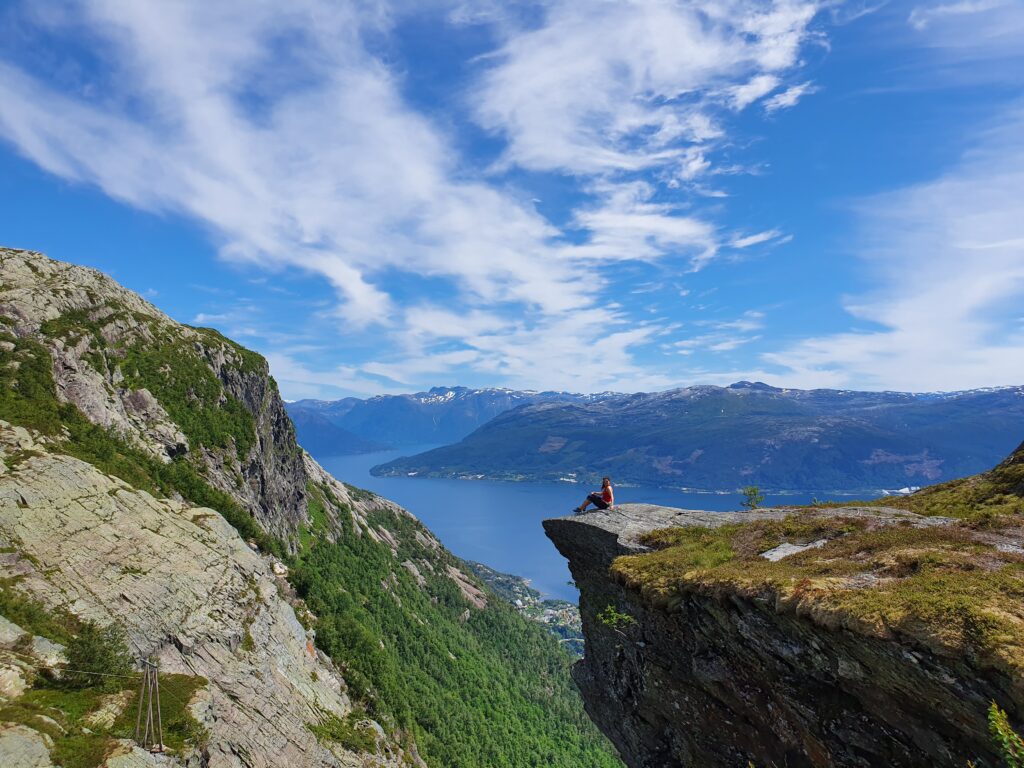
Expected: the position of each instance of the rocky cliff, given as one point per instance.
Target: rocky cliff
(150, 483)
(168, 389)
(188, 591)
(848, 636)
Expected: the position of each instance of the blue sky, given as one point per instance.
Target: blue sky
(386, 196)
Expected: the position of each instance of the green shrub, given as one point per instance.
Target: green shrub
(98, 656)
(34, 617)
(1011, 746)
(753, 497)
(346, 732)
(613, 618)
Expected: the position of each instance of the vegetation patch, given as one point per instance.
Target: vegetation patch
(27, 394)
(947, 587)
(614, 618)
(358, 494)
(938, 586)
(99, 669)
(97, 656)
(185, 385)
(994, 498)
(28, 398)
(34, 617)
(351, 732)
(169, 366)
(1011, 746)
(77, 324)
(492, 689)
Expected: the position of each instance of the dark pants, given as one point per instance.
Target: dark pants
(597, 501)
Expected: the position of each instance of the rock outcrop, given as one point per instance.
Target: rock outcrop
(182, 583)
(108, 346)
(187, 589)
(723, 676)
(150, 480)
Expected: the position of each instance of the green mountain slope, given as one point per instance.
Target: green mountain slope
(433, 652)
(453, 675)
(723, 438)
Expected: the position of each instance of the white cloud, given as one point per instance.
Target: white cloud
(206, 318)
(728, 345)
(333, 174)
(789, 97)
(923, 16)
(604, 90)
(723, 335)
(755, 239)
(625, 225)
(748, 93)
(298, 381)
(609, 87)
(948, 260)
(276, 128)
(973, 31)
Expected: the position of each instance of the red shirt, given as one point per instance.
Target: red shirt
(606, 494)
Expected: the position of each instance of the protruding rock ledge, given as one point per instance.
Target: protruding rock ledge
(721, 680)
(596, 538)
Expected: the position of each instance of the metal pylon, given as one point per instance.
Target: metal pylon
(152, 736)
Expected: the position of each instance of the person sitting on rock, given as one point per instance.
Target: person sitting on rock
(602, 500)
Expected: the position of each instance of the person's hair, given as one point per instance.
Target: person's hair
(606, 481)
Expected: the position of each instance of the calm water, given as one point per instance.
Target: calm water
(499, 523)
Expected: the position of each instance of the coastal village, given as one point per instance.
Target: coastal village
(560, 617)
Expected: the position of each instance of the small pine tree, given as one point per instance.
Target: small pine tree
(97, 656)
(754, 497)
(615, 619)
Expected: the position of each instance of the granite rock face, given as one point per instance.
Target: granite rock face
(176, 577)
(87, 321)
(186, 589)
(726, 680)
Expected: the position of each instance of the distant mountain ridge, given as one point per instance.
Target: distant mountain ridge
(722, 438)
(439, 415)
(322, 437)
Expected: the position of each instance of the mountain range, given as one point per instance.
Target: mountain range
(723, 438)
(439, 415)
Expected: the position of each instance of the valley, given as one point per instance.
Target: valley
(152, 487)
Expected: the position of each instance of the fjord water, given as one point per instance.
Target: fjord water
(499, 523)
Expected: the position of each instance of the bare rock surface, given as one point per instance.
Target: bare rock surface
(187, 589)
(23, 747)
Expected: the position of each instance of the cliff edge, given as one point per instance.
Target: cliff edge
(840, 636)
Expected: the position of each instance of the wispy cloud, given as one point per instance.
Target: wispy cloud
(972, 30)
(789, 97)
(723, 335)
(948, 260)
(277, 127)
(757, 238)
(607, 87)
(924, 16)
